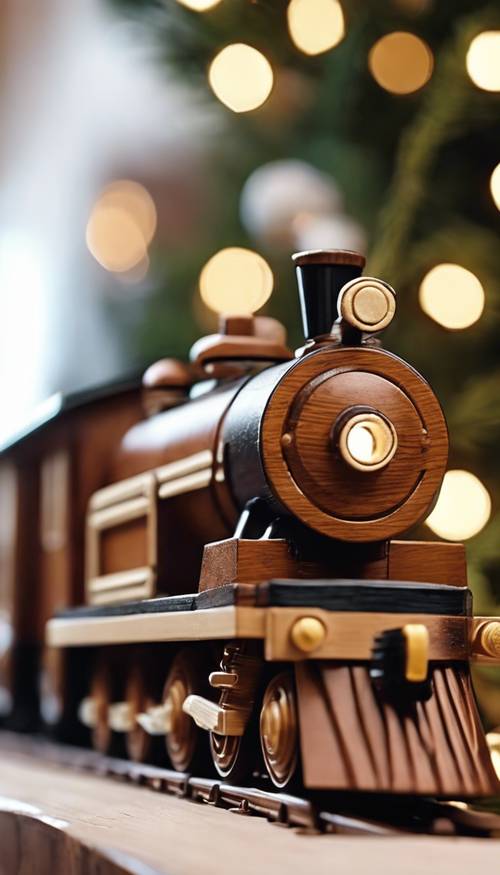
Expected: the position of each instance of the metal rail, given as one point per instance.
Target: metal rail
(351, 814)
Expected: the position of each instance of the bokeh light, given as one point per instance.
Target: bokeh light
(315, 26)
(463, 507)
(241, 77)
(236, 282)
(495, 186)
(401, 62)
(121, 226)
(483, 60)
(199, 5)
(452, 296)
(278, 193)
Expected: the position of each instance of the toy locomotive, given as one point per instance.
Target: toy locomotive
(203, 569)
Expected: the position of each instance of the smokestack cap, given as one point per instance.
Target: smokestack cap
(329, 256)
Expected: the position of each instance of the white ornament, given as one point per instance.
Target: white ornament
(330, 232)
(278, 195)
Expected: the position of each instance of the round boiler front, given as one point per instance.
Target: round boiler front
(354, 443)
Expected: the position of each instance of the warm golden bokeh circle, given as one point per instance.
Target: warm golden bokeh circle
(495, 186)
(463, 507)
(121, 226)
(483, 60)
(114, 239)
(241, 77)
(452, 295)
(199, 5)
(315, 26)
(236, 282)
(401, 62)
(135, 200)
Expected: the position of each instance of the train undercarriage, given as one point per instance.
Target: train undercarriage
(259, 684)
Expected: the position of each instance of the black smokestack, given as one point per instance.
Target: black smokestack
(321, 273)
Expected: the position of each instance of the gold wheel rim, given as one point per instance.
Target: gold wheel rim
(278, 729)
(225, 750)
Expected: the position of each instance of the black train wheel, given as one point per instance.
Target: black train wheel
(279, 735)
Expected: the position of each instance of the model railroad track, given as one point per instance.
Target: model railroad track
(350, 816)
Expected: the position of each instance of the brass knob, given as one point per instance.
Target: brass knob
(367, 304)
(308, 633)
(489, 636)
(367, 441)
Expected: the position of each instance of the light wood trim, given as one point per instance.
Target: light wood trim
(132, 487)
(104, 589)
(212, 717)
(351, 635)
(135, 593)
(120, 578)
(196, 480)
(135, 486)
(134, 583)
(129, 500)
(181, 467)
(115, 515)
(228, 622)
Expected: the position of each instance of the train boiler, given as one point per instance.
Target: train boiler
(249, 610)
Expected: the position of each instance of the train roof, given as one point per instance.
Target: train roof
(60, 403)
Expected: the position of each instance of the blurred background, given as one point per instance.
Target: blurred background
(142, 140)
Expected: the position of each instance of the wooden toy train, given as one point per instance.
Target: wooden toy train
(204, 568)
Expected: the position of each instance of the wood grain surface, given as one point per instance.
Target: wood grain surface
(61, 822)
(353, 738)
(304, 473)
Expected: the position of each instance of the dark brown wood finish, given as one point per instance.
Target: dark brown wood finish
(425, 561)
(394, 498)
(237, 560)
(354, 740)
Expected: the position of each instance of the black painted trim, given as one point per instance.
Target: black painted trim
(373, 596)
(379, 596)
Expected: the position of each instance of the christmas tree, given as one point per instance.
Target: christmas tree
(371, 125)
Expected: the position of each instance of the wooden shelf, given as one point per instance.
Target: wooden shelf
(59, 821)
